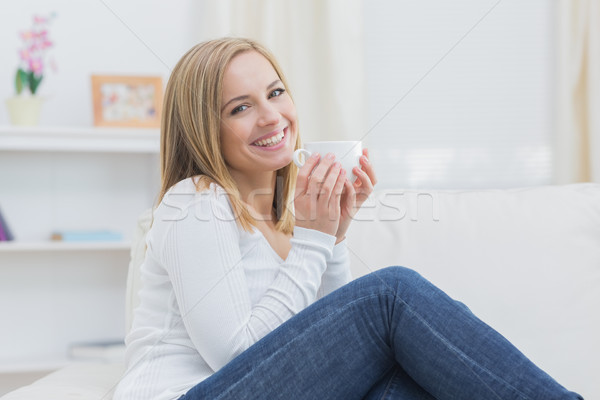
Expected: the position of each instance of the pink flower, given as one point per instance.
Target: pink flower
(25, 55)
(46, 44)
(35, 43)
(40, 34)
(36, 65)
(39, 20)
(27, 35)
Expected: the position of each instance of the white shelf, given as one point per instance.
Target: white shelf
(44, 246)
(99, 178)
(70, 139)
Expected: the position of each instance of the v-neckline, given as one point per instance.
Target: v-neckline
(258, 231)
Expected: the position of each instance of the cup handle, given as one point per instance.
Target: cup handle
(296, 159)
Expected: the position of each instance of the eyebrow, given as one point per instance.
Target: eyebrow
(244, 97)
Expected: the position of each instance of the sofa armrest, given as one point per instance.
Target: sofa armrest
(81, 381)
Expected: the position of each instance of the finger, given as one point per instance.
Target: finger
(349, 187)
(319, 173)
(349, 195)
(363, 181)
(330, 181)
(335, 198)
(368, 168)
(340, 182)
(305, 171)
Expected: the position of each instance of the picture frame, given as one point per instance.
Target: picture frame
(127, 101)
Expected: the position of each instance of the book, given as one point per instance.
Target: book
(87, 236)
(5, 233)
(108, 351)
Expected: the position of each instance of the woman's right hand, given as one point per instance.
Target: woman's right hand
(318, 192)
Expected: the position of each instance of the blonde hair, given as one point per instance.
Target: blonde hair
(190, 128)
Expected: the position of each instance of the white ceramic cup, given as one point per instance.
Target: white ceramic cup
(346, 153)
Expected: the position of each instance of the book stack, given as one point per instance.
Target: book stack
(86, 236)
(5, 233)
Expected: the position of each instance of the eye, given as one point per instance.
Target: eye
(238, 109)
(276, 92)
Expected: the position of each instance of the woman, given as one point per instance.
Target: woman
(246, 252)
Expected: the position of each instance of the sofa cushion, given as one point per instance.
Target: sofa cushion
(81, 381)
(527, 261)
(137, 254)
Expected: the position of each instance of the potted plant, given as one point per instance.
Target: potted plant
(24, 108)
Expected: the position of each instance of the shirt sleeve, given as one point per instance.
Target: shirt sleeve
(338, 272)
(201, 254)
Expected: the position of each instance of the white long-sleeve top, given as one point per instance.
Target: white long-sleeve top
(211, 289)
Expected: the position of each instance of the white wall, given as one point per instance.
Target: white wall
(132, 37)
(460, 92)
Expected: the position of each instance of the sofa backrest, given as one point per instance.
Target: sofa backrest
(527, 261)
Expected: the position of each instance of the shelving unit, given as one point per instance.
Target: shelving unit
(46, 246)
(56, 293)
(79, 140)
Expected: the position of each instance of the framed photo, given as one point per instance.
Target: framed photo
(127, 101)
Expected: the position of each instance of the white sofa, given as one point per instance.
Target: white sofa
(527, 261)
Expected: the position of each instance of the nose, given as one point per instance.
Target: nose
(268, 115)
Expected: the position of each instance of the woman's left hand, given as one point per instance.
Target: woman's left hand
(356, 193)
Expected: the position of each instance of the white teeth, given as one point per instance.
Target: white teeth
(273, 140)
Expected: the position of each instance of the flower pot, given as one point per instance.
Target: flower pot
(24, 110)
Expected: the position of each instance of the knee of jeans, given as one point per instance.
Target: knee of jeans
(399, 278)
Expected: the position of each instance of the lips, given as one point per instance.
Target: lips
(271, 139)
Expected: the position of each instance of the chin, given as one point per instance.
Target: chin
(284, 163)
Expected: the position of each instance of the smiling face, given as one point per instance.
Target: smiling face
(258, 117)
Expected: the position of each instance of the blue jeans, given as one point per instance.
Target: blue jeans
(388, 335)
